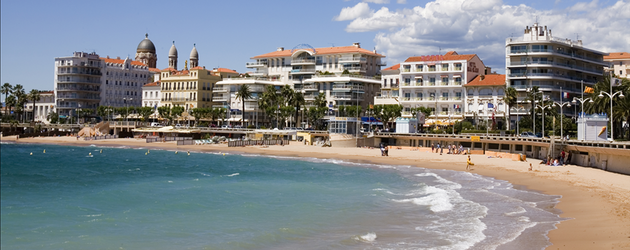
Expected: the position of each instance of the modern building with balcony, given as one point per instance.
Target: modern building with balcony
(483, 99)
(619, 63)
(436, 82)
(188, 88)
(553, 64)
(122, 81)
(345, 74)
(77, 83)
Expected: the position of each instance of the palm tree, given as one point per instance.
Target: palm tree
(510, 99)
(533, 96)
(34, 96)
(298, 102)
(20, 95)
(243, 93)
(269, 101)
(6, 89)
(288, 94)
(602, 105)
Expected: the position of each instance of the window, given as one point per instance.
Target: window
(419, 68)
(458, 95)
(431, 67)
(444, 80)
(419, 82)
(518, 49)
(431, 81)
(444, 67)
(445, 96)
(407, 81)
(458, 81)
(458, 66)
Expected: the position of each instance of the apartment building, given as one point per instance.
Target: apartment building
(553, 64)
(436, 82)
(151, 95)
(390, 86)
(345, 74)
(77, 82)
(483, 99)
(43, 107)
(122, 81)
(619, 63)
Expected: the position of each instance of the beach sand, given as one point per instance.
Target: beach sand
(598, 202)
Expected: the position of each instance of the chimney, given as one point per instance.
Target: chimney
(280, 49)
(482, 77)
(107, 57)
(118, 57)
(358, 45)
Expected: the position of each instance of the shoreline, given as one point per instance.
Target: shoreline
(597, 202)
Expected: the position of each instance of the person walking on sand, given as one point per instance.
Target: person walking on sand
(432, 147)
(469, 163)
(531, 167)
(562, 155)
(437, 148)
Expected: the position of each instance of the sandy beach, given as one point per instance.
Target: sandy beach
(598, 202)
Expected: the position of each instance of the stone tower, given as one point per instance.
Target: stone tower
(172, 57)
(194, 57)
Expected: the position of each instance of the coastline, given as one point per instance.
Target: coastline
(597, 201)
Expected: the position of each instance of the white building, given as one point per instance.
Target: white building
(436, 82)
(620, 63)
(390, 86)
(311, 71)
(43, 107)
(553, 64)
(483, 99)
(151, 95)
(122, 82)
(77, 82)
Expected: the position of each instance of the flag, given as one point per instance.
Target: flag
(455, 106)
(589, 90)
(615, 82)
(490, 105)
(565, 95)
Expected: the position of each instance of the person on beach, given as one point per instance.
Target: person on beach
(530, 167)
(382, 149)
(437, 148)
(386, 150)
(469, 163)
(441, 150)
(432, 147)
(562, 155)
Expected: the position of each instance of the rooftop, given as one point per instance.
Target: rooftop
(121, 61)
(487, 80)
(152, 84)
(322, 51)
(617, 56)
(395, 67)
(449, 56)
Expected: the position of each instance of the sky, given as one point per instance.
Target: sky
(228, 33)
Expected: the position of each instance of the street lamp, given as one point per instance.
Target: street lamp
(582, 101)
(561, 105)
(601, 95)
(534, 113)
(542, 107)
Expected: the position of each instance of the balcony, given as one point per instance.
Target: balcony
(78, 89)
(182, 99)
(344, 97)
(256, 64)
(303, 62)
(558, 52)
(347, 87)
(220, 98)
(302, 71)
(550, 63)
(78, 81)
(80, 72)
(310, 87)
(352, 60)
(221, 89)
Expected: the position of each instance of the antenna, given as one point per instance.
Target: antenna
(577, 36)
(440, 50)
(332, 45)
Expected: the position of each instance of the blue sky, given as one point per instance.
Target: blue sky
(228, 33)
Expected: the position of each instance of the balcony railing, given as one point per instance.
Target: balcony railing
(78, 89)
(303, 61)
(256, 64)
(559, 52)
(298, 71)
(78, 81)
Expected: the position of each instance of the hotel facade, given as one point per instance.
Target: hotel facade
(553, 64)
(310, 71)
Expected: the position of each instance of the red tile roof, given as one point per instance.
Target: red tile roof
(198, 67)
(395, 67)
(181, 73)
(617, 55)
(449, 56)
(152, 84)
(121, 61)
(487, 80)
(322, 51)
(224, 70)
(156, 70)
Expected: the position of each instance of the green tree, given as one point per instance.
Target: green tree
(6, 89)
(387, 113)
(22, 98)
(510, 98)
(145, 112)
(298, 102)
(34, 96)
(269, 101)
(243, 93)
(165, 112)
(53, 117)
(315, 114)
(602, 104)
(177, 111)
(9, 103)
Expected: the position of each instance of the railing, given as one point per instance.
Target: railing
(353, 68)
(257, 143)
(296, 61)
(103, 137)
(293, 71)
(557, 64)
(352, 59)
(521, 51)
(341, 86)
(77, 81)
(256, 64)
(353, 76)
(79, 89)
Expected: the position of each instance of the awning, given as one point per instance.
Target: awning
(444, 76)
(420, 77)
(457, 76)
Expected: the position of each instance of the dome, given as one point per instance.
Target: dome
(193, 53)
(173, 51)
(146, 45)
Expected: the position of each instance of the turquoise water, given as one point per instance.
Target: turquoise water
(127, 199)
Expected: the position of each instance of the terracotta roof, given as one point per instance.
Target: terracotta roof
(181, 73)
(198, 67)
(152, 84)
(121, 61)
(169, 69)
(617, 55)
(395, 67)
(322, 51)
(449, 56)
(488, 80)
(154, 70)
(224, 70)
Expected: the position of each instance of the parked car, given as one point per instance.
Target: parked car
(156, 124)
(225, 126)
(238, 126)
(528, 134)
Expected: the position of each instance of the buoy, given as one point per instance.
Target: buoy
(223, 153)
(31, 153)
(101, 151)
(175, 152)
(146, 153)
(44, 151)
(90, 153)
(188, 152)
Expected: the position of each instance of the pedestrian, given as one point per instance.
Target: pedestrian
(441, 150)
(531, 167)
(386, 150)
(469, 163)
(432, 147)
(562, 155)
(568, 161)
(437, 148)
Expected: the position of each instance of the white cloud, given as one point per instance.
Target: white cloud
(401, 1)
(481, 27)
(357, 11)
(376, 1)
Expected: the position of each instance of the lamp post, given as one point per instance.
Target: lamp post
(601, 95)
(561, 105)
(582, 101)
(542, 107)
(534, 113)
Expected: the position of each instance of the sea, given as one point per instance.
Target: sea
(64, 197)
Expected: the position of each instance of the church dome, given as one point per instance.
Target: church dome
(173, 51)
(193, 53)
(146, 45)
